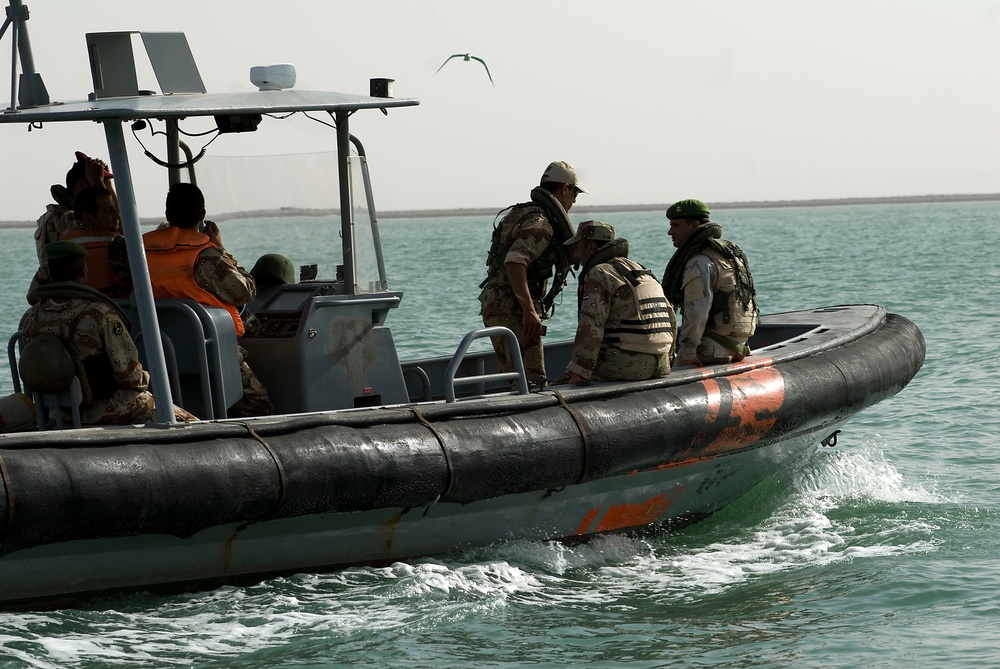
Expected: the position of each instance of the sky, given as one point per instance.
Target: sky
(651, 101)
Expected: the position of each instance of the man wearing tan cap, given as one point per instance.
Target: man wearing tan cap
(626, 327)
(527, 251)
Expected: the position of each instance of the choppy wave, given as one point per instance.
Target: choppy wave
(878, 553)
(841, 505)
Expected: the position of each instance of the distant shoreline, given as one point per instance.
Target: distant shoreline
(442, 213)
(762, 204)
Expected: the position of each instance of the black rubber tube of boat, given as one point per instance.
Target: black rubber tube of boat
(515, 446)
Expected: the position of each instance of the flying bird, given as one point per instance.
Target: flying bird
(467, 57)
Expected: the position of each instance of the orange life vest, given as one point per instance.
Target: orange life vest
(171, 253)
(99, 274)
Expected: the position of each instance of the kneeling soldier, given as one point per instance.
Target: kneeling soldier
(626, 326)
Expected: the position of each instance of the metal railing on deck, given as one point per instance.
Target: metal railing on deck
(517, 375)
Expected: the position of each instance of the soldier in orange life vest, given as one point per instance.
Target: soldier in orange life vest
(95, 228)
(59, 216)
(186, 262)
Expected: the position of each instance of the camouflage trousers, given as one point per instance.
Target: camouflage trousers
(501, 308)
(123, 407)
(256, 401)
(713, 353)
(614, 364)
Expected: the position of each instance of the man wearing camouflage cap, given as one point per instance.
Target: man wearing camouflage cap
(626, 327)
(94, 331)
(527, 251)
(710, 277)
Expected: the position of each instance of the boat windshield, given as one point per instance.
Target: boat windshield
(254, 195)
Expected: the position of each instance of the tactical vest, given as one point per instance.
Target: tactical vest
(171, 253)
(734, 307)
(503, 239)
(653, 324)
(554, 261)
(99, 274)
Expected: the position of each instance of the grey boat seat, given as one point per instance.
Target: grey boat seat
(199, 345)
(52, 395)
(49, 406)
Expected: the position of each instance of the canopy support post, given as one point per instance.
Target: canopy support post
(346, 226)
(173, 151)
(142, 288)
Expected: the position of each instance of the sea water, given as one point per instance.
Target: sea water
(879, 552)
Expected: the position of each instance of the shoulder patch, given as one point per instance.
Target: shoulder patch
(117, 329)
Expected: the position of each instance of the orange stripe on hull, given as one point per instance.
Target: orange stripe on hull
(587, 520)
(756, 399)
(740, 410)
(628, 514)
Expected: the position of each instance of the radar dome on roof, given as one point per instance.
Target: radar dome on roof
(273, 77)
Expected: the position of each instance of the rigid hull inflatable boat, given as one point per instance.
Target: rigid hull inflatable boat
(371, 459)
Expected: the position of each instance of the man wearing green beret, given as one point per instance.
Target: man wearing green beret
(626, 327)
(710, 277)
(94, 331)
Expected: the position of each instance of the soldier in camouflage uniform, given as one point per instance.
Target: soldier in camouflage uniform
(97, 228)
(93, 330)
(526, 251)
(59, 215)
(710, 278)
(185, 262)
(626, 327)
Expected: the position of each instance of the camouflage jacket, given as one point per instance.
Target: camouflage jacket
(524, 237)
(711, 305)
(607, 304)
(218, 272)
(96, 337)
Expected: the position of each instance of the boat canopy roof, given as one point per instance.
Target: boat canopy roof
(200, 104)
(118, 99)
(117, 95)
